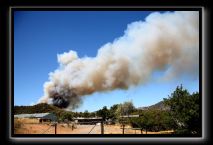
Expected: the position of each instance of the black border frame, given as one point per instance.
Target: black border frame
(5, 60)
(102, 9)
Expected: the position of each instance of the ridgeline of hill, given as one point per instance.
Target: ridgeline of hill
(44, 108)
(38, 108)
(159, 106)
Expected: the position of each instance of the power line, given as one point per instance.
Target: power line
(46, 130)
(92, 129)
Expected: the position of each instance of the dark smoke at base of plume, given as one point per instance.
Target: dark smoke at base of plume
(69, 100)
(60, 101)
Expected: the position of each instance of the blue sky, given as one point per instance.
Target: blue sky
(40, 35)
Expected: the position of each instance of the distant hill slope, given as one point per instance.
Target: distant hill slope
(160, 106)
(61, 114)
(44, 108)
(38, 108)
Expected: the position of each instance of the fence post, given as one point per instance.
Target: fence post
(55, 128)
(102, 127)
(123, 128)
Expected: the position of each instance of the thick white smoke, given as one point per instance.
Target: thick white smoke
(164, 41)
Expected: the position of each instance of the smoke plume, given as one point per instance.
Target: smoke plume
(168, 42)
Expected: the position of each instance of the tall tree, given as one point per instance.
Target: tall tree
(184, 110)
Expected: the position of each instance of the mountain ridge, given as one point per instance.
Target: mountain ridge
(44, 108)
(159, 105)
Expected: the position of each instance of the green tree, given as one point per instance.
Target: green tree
(127, 108)
(112, 112)
(145, 121)
(104, 113)
(152, 120)
(184, 110)
(65, 116)
(86, 114)
(92, 114)
(148, 120)
(165, 122)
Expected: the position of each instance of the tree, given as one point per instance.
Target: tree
(148, 120)
(86, 114)
(104, 113)
(92, 114)
(112, 112)
(165, 121)
(184, 110)
(152, 120)
(66, 116)
(127, 108)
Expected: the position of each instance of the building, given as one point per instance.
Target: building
(129, 116)
(92, 120)
(41, 117)
(125, 118)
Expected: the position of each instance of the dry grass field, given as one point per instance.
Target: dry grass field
(28, 126)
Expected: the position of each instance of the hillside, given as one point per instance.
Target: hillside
(39, 108)
(160, 106)
(44, 108)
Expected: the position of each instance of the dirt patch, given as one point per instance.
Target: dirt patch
(81, 129)
(28, 127)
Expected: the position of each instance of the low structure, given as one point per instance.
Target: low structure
(42, 117)
(82, 120)
(129, 116)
